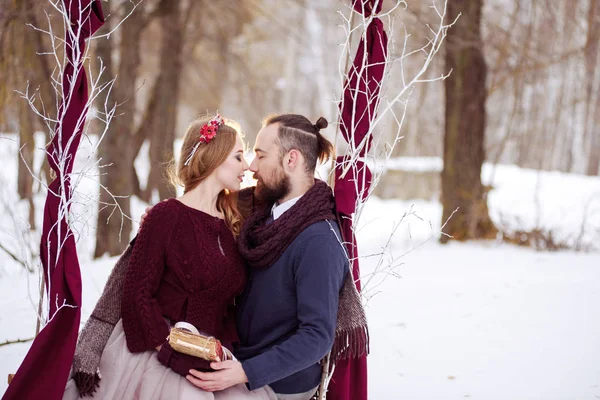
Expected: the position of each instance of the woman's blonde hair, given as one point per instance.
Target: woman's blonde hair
(205, 161)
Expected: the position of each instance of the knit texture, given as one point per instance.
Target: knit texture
(107, 312)
(282, 347)
(98, 328)
(261, 244)
(247, 203)
(184, 267)
(351, 331)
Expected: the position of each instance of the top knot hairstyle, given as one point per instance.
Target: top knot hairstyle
(321, 124)
(297, 132)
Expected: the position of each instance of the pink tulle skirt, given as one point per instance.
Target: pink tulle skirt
(128, 376)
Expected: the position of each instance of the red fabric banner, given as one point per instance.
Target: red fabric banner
(358, 107)
(45, 369)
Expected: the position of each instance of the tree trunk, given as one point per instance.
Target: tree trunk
(114, 229)
(517, 103)
(526, 133)
(26, 147)
(555, 129)
(28, 74)
(592, 81)
(143, 133)
(106, 151)
(162, 136)
(465, 120)
(593, 166)
(47, 93)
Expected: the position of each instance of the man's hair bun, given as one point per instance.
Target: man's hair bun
(321, 123)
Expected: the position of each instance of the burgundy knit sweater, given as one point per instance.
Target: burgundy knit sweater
(184, 266)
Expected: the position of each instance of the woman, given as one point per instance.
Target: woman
(184, 266)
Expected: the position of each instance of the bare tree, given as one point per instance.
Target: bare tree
(124, 138)
(464, 153)
(27, 56)
(116, 152)
(173, 20)
(71, 216)
(21, 66)
(592, 86)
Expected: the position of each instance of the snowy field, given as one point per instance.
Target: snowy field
(461, 321)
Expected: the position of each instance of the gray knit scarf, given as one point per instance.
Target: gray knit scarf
(262, 243)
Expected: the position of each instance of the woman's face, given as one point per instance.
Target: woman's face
(231, 172)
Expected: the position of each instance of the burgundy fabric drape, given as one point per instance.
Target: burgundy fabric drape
(358, 107)
(45, 369)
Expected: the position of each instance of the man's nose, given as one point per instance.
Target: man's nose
(254, 166)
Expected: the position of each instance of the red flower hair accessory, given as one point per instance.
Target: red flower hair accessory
(209, 130)
(207, 133)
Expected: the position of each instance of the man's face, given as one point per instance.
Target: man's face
(272, 183)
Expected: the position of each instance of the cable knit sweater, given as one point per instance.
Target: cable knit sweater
(184, 266)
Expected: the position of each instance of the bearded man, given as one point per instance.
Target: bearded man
(292, 243)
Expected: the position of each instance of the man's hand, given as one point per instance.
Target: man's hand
(144, 215)
(228, 373)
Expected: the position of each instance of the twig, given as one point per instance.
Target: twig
(38, 324)
(324, 374)
(13, 256)
(6, 343)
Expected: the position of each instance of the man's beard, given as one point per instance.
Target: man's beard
(270, 193)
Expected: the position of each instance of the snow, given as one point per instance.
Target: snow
(487, 322)
(568, 205)
(476, 320)
(418, 164)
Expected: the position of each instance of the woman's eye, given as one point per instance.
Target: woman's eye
(239, 158)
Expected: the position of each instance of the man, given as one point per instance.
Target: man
(287, 316)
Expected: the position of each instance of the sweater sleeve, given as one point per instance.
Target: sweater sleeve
(143, 323)
(318, 278)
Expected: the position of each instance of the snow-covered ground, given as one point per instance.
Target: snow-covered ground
(487, 321)
(476, 320)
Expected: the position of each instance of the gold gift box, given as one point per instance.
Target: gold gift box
(205, 347)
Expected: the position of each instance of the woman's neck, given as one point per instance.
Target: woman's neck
(203, 197)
